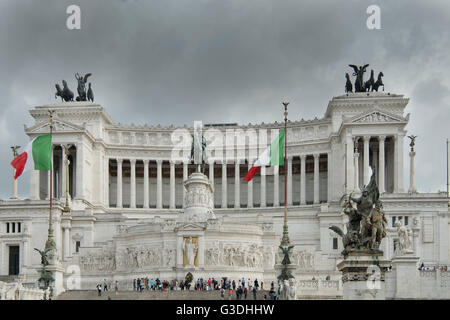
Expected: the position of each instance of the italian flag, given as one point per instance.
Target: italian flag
(272, 156)
(37, 156)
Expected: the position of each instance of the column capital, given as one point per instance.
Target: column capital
(172, 162)
(381, 138)
(119, 160)
(366, 138)
(224, 162)
(159, 161)
(146, 161)
(316, 155)
(133, 161)
(303, 157)
(289, 158)
(211, 162)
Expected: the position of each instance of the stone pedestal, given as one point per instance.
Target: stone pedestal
(58, 276)
(406, 275)
(363, 275)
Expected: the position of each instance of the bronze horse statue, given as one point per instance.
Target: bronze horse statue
(64, 93)
(348, 84)
(378, 83)
(368, 85)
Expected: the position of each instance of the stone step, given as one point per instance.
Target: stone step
(153, 295)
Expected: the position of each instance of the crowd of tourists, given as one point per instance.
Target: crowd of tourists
(229, 289)
(240, 289)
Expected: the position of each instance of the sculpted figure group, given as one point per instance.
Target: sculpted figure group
(367, 222)
(360, 84)
(67, 95)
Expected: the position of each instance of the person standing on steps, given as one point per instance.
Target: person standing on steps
(116, 287)
(254, 293)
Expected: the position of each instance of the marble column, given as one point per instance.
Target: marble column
(172, 185)
(66, 235)
(366, 156)
(303, 179)
(106, 181)
(263, 186)
(211, 172)
(276, 186)
(14, 193)
(159, 183)
(329, 178)
(133, 183)
(399, 176)
(381, 167)
(237, 184)
(146, 190)
(356, 165)
(316, 178)
(250, 190)
(412, 188)
(224, 184)
(398, 163)
(375, 162)
(34, 185)
(185, 176)
(289, 181)
(349, 159)
(119, 183)
(80, 172)
(63, 171)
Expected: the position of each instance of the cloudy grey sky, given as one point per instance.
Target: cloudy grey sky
(176, 61)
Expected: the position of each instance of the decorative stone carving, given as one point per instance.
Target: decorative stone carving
(139, 258)
(98, 261)
(304, 260)
(404, 239)
(198, 199)
(251, 256)
(169, 257)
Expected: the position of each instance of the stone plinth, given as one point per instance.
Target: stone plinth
(406, 275)
(363, 276)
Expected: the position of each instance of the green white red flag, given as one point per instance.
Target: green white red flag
(272, 156)
(36, 155)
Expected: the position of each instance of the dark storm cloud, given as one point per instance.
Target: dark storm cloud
(173, 62)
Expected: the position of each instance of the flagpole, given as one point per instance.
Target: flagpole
(50, 242)
(285, 240)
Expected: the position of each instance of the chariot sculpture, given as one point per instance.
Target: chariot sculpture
(360, 84)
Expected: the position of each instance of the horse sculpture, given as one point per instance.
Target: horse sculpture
(378, 83)
(64, 93)
(348, 84)
(368, 85)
